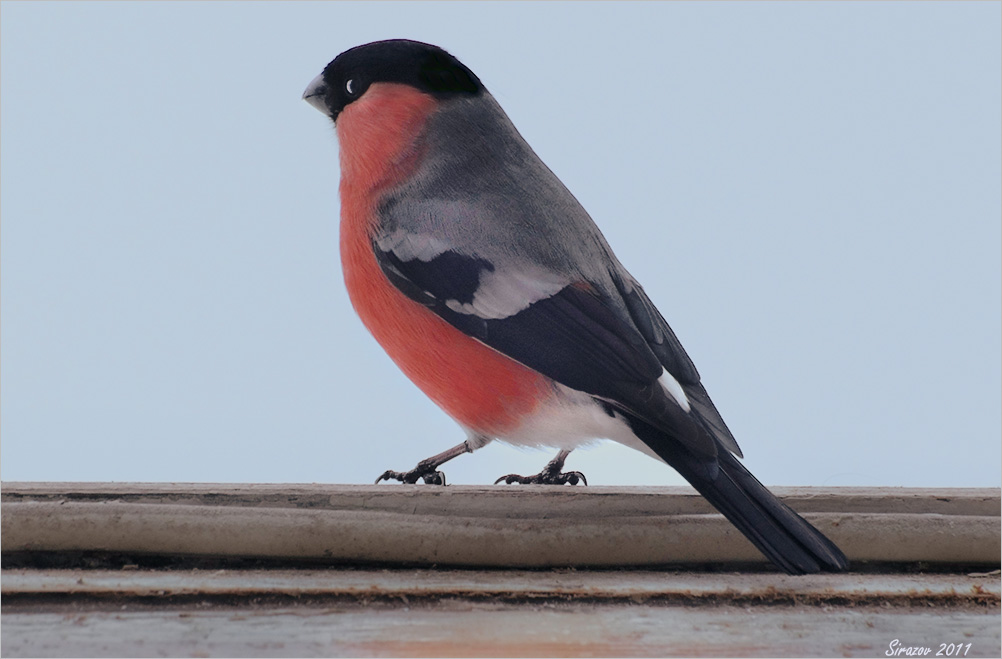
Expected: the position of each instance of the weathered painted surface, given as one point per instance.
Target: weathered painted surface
(531, 526)
(333, 607)
(464, 628)
(956, 589)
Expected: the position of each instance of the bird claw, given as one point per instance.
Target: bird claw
(545, 477)
(430, 476)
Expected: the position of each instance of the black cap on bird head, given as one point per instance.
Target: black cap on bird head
(423, 66)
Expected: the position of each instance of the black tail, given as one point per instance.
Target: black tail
(786, 538)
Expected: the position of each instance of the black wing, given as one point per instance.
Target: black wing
(575, 336)
(669, 350)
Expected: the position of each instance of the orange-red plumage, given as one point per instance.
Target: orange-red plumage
(380, 139)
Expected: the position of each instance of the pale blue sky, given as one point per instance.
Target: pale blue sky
(810, 192)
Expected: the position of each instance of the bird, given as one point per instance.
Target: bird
(489, 285)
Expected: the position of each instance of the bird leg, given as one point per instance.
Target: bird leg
(552, 474)
(427, 470)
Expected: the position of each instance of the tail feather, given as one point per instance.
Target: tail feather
(786, 538)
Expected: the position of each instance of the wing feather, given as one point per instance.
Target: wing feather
(573, 334)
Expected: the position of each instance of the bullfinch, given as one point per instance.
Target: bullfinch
(489, 285)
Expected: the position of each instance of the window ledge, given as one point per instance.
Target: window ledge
(490, 527)
(335, 570)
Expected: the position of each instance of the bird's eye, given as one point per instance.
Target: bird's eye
(350, 87)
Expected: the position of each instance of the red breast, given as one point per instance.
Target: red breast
(380, 143)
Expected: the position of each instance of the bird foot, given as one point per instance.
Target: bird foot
(542, 478)
(552, 474)
(427, 470)
(423, 471)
